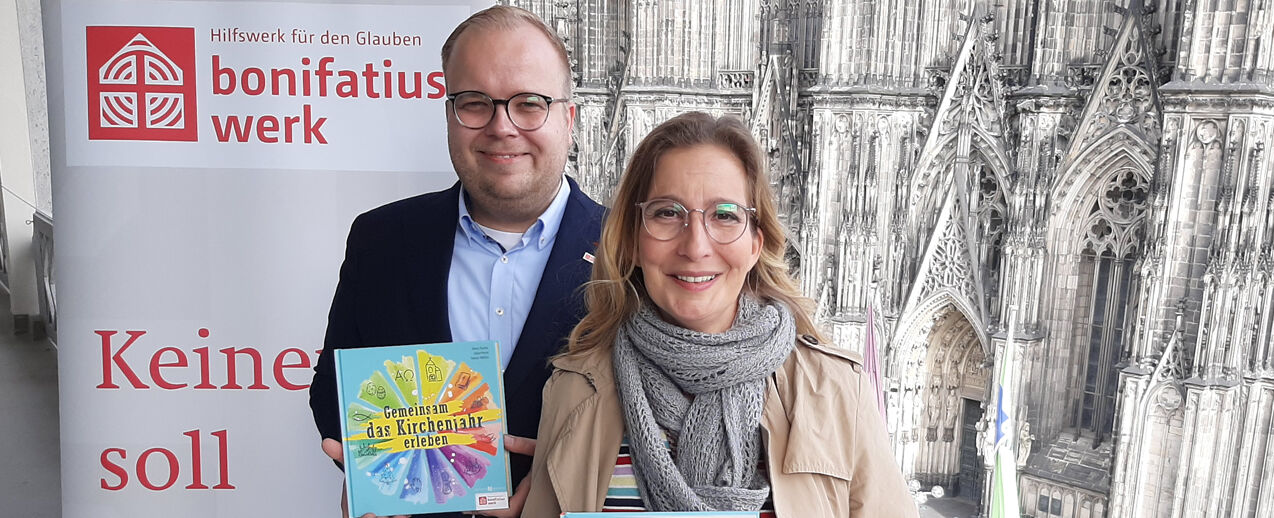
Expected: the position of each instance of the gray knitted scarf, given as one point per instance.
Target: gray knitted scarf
(706, 392)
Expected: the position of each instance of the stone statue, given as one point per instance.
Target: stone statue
(983, 446)
(1024, 440)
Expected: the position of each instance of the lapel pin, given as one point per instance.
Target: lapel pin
(588, 257)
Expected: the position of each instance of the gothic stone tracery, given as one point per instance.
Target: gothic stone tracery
(1101, 167)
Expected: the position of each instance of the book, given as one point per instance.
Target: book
(682, 514)
(423, 428)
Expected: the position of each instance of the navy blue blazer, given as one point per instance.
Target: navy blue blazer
(393, 291)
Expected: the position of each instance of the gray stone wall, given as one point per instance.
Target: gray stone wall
(942, 164)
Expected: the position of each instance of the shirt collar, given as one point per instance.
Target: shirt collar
(543, 231)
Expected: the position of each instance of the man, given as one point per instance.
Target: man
(500, 255)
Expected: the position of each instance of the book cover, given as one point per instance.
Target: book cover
(424, 428)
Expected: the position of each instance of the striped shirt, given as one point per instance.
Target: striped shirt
(622, 494)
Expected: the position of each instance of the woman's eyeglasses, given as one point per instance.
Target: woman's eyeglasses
(724, 222)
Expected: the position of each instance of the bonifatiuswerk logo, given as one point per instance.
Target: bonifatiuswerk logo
(141, 83)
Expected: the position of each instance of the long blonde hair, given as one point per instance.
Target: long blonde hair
(616, 289)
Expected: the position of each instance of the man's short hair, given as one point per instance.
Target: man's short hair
(507, 17)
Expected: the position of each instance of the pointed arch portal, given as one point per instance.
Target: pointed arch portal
(944, 388)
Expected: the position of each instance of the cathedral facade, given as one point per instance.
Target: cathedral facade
(1080, 186)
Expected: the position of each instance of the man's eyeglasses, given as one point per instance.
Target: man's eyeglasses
(724, 222)
(527, 111)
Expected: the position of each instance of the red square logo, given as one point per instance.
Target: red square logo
(141, 83)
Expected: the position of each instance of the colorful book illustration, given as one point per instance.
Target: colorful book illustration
(684, 514)
(424, 428)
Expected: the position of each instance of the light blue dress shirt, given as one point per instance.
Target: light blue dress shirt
(490, 290)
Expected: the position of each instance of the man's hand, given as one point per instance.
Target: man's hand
(332, 448)
(517, 444)
(523, 446)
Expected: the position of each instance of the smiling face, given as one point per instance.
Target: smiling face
(695, 281)
(511, 175)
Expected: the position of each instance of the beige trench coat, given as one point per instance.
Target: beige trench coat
(825, 440)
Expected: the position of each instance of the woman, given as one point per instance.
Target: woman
(689, 357)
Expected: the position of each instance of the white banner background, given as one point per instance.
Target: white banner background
(206, 246)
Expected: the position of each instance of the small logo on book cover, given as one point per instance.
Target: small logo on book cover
(141, 83)
(492, 501)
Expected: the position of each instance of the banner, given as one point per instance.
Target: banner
(208, 158)
(1004, 492)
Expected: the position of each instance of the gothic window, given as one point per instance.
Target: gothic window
(1111, 242)
(847, 147)
(991, 209)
